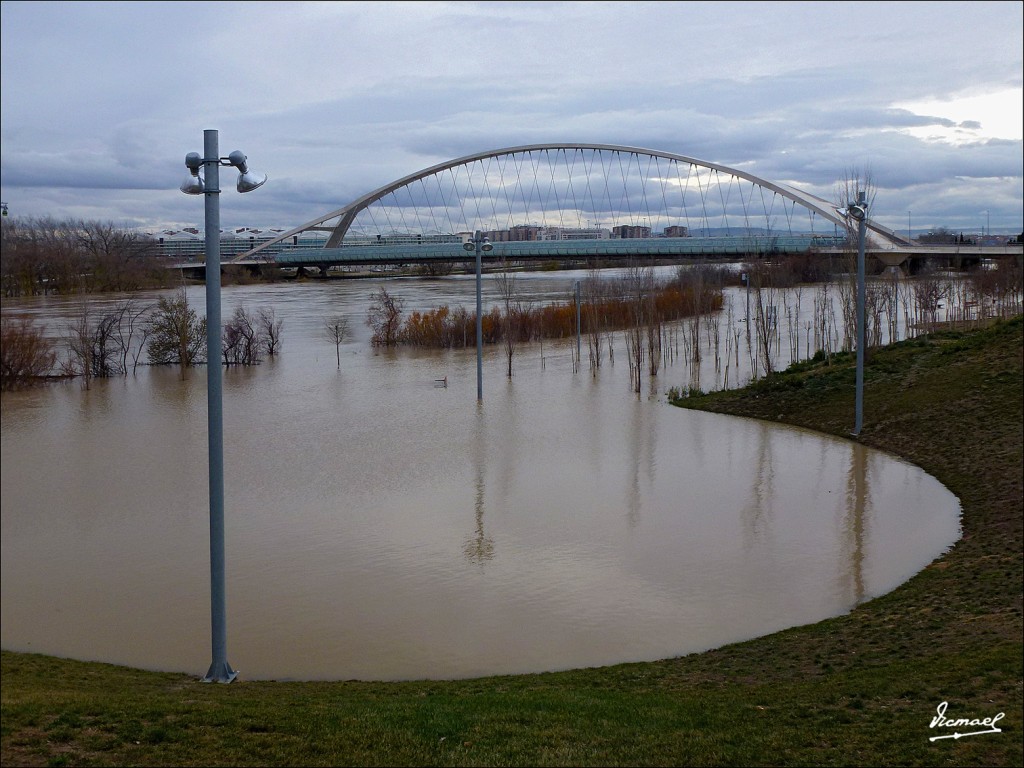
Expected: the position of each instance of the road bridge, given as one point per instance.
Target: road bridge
(661, 250)
(573, 202)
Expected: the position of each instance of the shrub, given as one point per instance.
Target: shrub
(26, 355)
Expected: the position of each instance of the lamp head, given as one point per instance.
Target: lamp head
(486, 246)
(248, 181)
(193, 183)
(855, 212)
(237, 159)
(469, 245)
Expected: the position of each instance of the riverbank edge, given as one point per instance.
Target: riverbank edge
(859, 689)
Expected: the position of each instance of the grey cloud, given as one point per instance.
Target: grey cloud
(345, 97)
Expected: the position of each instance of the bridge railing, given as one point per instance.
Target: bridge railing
(561, 249)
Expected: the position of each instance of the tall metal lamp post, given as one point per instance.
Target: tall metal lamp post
(859, 212)
(479, 243)
(220, 671)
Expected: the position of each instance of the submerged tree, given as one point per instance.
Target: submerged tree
(336, 331)
(506, 284)
(26, 355)
(101, 347)
(270, 330)
(385, 317)
(241, 342)
(177, 334)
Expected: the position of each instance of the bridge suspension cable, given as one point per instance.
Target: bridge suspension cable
(570, 191)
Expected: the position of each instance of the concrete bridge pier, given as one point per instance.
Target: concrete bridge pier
(912, 264)
(891, 259)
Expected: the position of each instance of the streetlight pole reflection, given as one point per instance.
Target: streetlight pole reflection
(479, 548)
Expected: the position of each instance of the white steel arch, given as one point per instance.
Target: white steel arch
(347, 214)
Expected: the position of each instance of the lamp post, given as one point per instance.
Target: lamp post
(859, 213)
(479, 243)
(209, 185)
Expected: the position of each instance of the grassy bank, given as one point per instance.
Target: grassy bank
(856, 690)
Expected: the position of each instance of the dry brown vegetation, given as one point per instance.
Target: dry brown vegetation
(26, 355)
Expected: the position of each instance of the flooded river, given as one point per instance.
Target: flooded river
(383, 525)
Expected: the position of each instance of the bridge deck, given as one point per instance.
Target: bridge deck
(541, 250)
(658, 248)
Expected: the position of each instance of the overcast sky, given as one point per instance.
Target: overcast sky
(101, 101)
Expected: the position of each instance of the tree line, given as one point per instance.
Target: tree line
(40, 256)
(116, 340)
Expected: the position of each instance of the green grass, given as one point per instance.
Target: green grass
(859, 689)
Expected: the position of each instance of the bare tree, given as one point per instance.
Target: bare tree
(270, 329)
(115, 256)
(242, 342)
(78, 335)
(929, 292)
(132, 320)
(94, 348)
(385, 317)
(766, 315)
(26, 355)
(848, 188)
(101, 349)
(638, 289)
(595, 314)
(336, 330)
(106, 352)
(506, 283)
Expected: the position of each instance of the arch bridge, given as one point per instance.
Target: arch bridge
(544, 201)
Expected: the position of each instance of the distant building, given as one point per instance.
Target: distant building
(529, 232)
(571, 233)
(517, 234)
(994, 240)
(524, 232)
(628, 231)
(677, 231)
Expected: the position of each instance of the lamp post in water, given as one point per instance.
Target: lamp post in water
(209, 185)
(479, 243)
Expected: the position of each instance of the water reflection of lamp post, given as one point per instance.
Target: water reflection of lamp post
(209, 185)
(579, 359)
(855, 519)
(479, 548)
(859, 213)
(479, 243)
